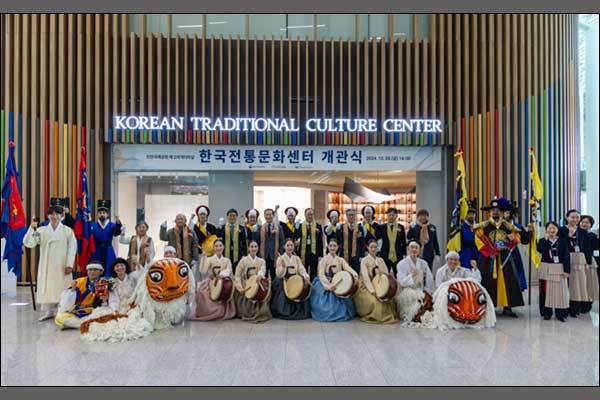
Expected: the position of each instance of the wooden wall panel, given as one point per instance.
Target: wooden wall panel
(499, 83)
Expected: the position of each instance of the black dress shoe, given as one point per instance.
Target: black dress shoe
(572, 315)
(509, 313)
(547, 317)
(561, 319)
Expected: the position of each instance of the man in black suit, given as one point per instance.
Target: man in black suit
(393, 240)
(229, 232)
(310, 242)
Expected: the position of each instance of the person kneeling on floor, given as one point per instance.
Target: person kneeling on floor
(82, 296)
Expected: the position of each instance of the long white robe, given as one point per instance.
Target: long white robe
(58, 248)
(405, 277)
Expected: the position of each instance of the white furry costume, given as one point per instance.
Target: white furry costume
(145, 317)
(441, 319)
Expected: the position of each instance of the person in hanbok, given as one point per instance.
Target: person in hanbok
(250, 310)
(553, 273)
(288, 264)
(324, 304)
(58, 248)
(124, 283)
(80, 298)
(333, 216)
(104, 230)
(580, 252)
(368, 306)
(586, 222)
(141, 247)
(414, 280)
(63, 205)
(212, 267)
(452, 269)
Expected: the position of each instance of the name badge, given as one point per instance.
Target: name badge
(556, 261)
(576, 248)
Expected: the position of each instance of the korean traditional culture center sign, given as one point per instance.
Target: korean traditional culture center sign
(278, 124)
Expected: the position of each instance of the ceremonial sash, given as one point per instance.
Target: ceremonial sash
(236, 244)
(313, 240)
(345, 234)
(423, 236)
(133, 249)
(263, 236)
(391, 234)
(185, 252)
(203, 230)
(291, 226)
(370, 229)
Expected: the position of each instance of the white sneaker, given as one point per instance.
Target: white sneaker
(47, 315)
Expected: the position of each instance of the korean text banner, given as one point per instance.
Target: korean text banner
(131, 157)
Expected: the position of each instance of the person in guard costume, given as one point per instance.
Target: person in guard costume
(103, 231)
(497, 240)
(468, 249)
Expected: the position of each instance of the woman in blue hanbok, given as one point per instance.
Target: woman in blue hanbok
(325, 305)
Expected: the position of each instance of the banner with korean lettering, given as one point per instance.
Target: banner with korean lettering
(133, 157)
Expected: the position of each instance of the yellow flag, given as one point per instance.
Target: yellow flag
(537, 192)
(461, 179)
(537, 189)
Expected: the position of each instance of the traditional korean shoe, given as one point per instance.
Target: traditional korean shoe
(47, 315)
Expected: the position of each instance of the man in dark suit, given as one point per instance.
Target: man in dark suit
(310, 242)
(234, 238)
(425, 234)
(351, 237)
(271, 241)
(393, 240)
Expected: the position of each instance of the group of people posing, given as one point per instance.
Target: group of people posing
(299, 270)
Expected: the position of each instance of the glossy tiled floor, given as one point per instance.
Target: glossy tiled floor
(524, 351)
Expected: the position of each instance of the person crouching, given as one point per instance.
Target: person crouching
(81, 297)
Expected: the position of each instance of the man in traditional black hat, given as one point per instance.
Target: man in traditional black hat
(497, 241)
(61, 204)
(103, 231)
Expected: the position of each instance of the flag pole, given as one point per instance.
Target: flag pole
(31, 285)
(532, 218)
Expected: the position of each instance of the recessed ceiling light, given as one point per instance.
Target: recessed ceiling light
(19, 304)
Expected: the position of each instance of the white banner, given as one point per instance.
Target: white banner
(186, 157)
